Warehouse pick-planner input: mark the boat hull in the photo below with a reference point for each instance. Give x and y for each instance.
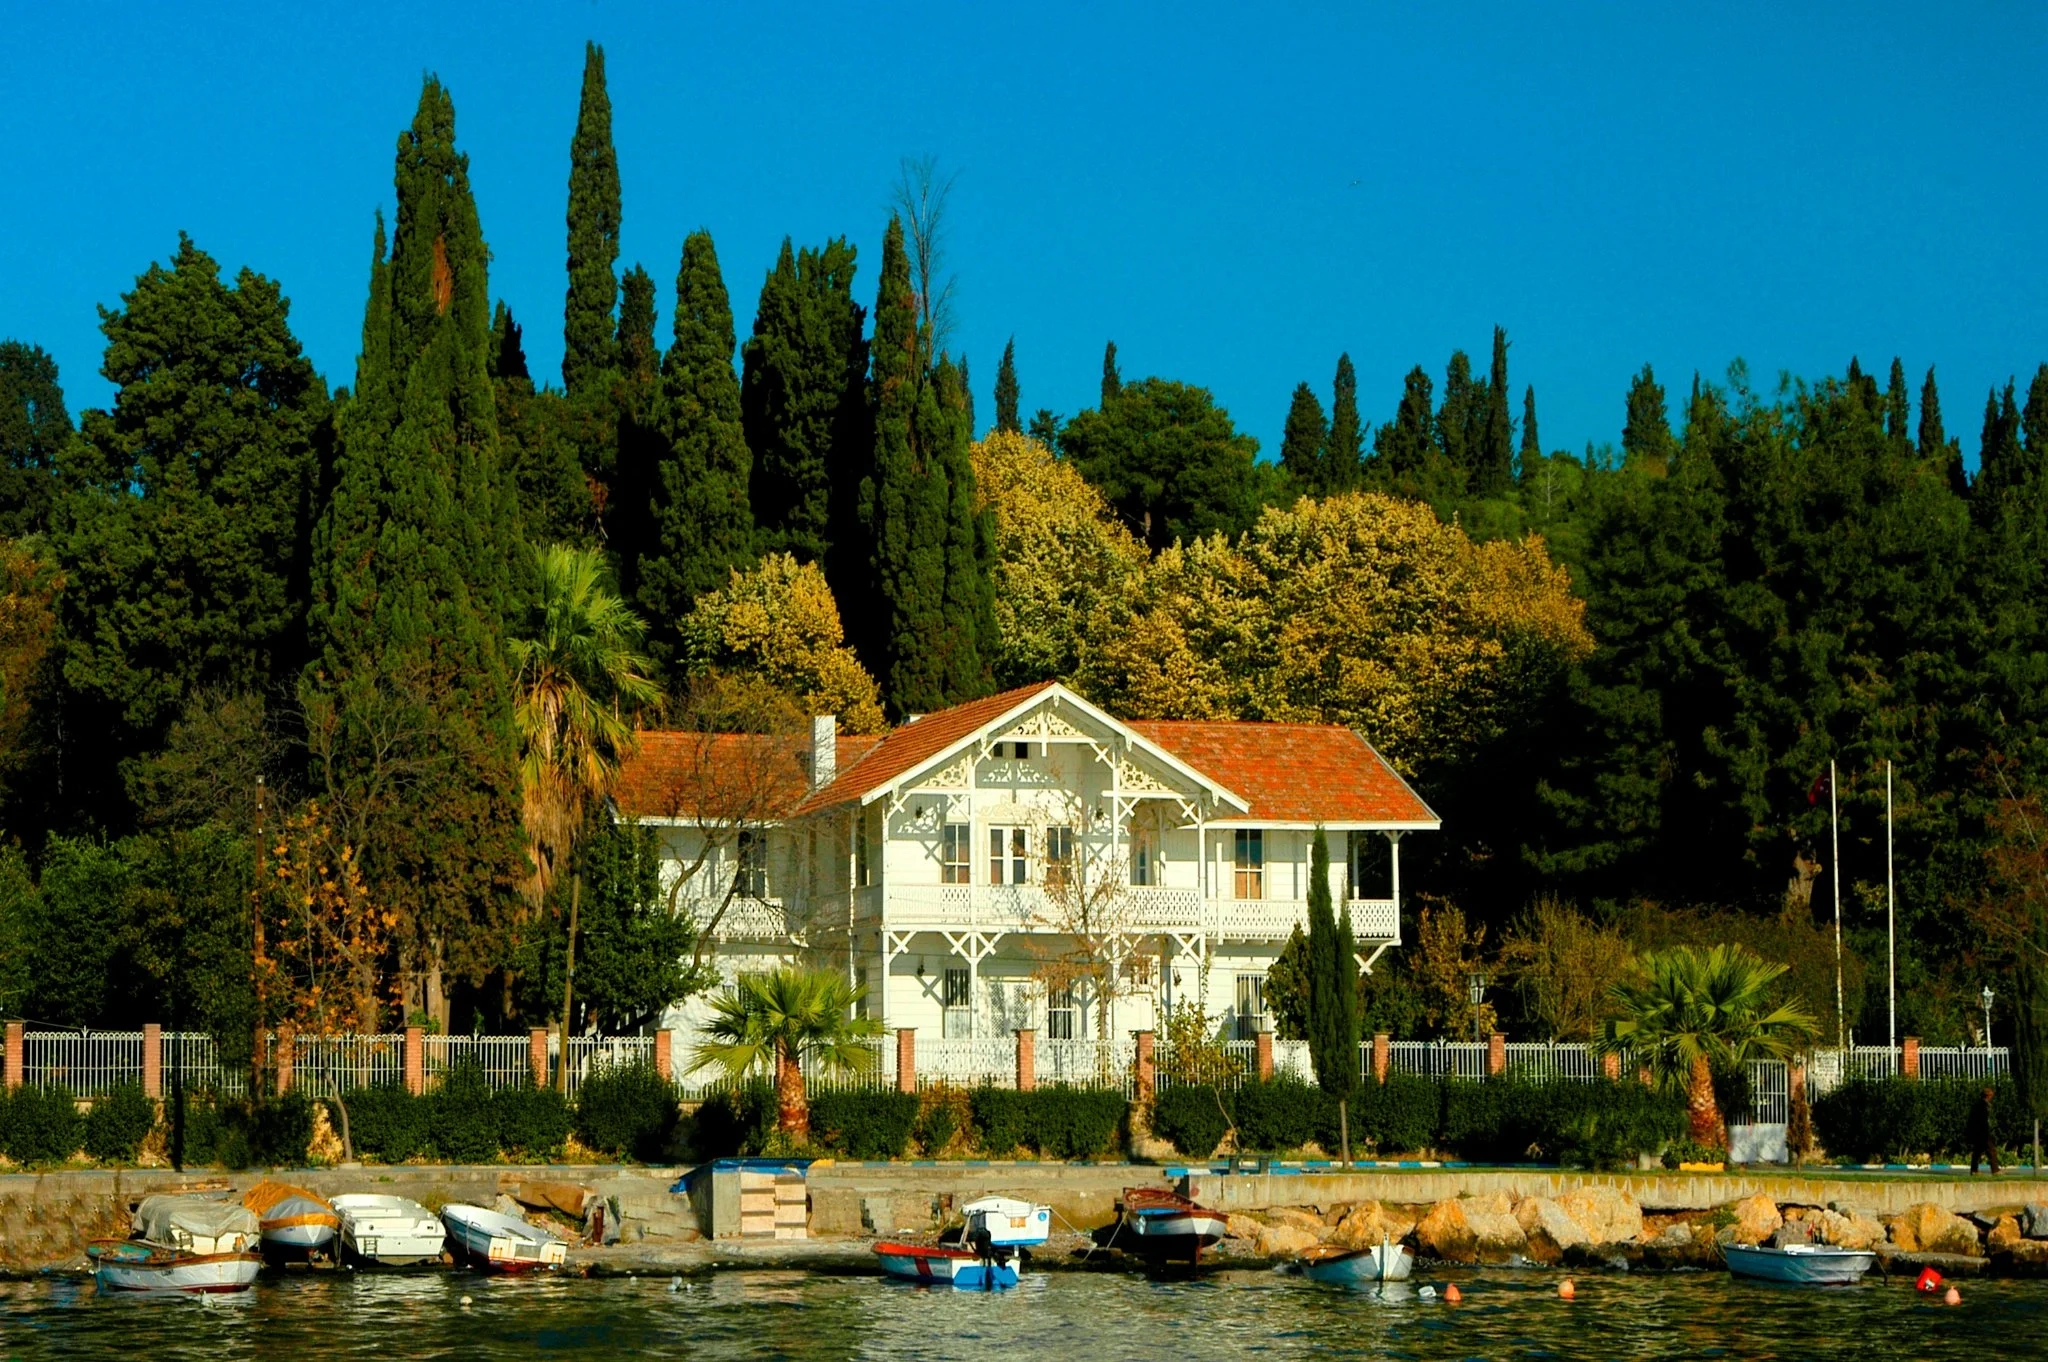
(1360, 1266)
(498, 1243)
(144, 1269)
(388, 1231)
(1173, 1234)
(1798, 1265)
(302, 1237)
(939, 1266)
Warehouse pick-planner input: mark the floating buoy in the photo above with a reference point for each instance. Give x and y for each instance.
(1566, 1290)
(675, 1283)
(1928, 1281)
(465, 1302)
(1954, 1297)
(1427, 1293)
(1453, 1294)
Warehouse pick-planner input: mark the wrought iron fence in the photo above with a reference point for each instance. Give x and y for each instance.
(344, 1063)
(90, 1063)
(1433, 1058)
(1104, 1063)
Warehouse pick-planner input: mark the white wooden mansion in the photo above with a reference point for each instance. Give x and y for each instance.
(1025, 861)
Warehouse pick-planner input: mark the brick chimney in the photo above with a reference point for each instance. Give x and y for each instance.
(824, 750)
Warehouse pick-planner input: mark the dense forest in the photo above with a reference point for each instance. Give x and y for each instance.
(257, 635)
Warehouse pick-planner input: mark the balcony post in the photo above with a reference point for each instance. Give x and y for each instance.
(1394, 880)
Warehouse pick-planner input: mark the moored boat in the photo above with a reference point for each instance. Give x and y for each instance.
(1385, 1262)
(291, 1218)
(1805, 1264)
(946, 1264)
(133, 1265)
(1162, 1224)
(388, 1231)
(502, 1243)
(1007, 1222)
(201, 1225)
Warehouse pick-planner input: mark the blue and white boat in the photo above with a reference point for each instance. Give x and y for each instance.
(949, 1265)
(1804, 1264)
(1385, 1262)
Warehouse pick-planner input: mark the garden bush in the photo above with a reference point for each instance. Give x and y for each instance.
(118, 1124)
(1400, 1115)
(39, 1125)
(627, 1109)
(233, 1132)
(864, 1125)
(735, 1120)
(1283, 1114)
(1057, 1122)
(1191, 1118)
(280, 1129)
(386, 1123)
(461, 1121)
(1873, 1119)
(943, 1112)
(532, 1122)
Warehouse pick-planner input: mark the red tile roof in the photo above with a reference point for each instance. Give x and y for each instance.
(909, 746)
(723, 775)
(1292, 773)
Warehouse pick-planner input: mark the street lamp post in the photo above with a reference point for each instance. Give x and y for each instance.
(1987, 995)
(1476, 990)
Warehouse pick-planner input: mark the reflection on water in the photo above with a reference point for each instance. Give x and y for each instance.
(1093, 1316)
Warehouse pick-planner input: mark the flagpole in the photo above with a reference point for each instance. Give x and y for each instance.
(1835, 881)
(1891, 921)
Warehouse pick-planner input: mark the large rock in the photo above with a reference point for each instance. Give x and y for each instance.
(1471, 1230)
(1548, 1229)
(1791, 1232)
(2003, 1235)
(2035, 1220)
(1285, 1241)
(1242, 1226)
(1756, 1219)
(2027, 1258)
(1295, 1216)
(1850, 1230)
(1927, 1228)
(1607, 1215)
(1367, 1222)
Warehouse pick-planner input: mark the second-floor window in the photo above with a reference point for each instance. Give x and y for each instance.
(752, 860)
(1144, 857)
(1250, 864)
(1059, 856)
(955, 855)
(1009, 860)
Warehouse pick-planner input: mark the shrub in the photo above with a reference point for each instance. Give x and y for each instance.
(233, 1132)
(533, 1122)
(387, 1123)
(1513, 1120)
(627, 1109)
(1870, 1119)
(39, 1125)
(736, 1120)
(1282, 1114)
(1398, 1116)
(118, 1124)
(863, 1125)
(943, 1112)
(280, 1128)
(1191, 1118)
(1073, 1123)
(461, 1122)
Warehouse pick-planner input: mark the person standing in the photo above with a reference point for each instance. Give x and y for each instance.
(1982, 1146)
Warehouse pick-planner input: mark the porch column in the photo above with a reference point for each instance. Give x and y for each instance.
(906, 1059)
(1496, 1055)
(152, 1060)
(16, 1054)
(1909, 1057)
(664, 1054)
(1145, 1079)
(1382, 1056)
(537, 1055)
(1264, 1049)
(1394, 879)
(1027, 1059)
(415, 1060)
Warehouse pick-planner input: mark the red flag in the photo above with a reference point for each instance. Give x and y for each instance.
(1820, 787)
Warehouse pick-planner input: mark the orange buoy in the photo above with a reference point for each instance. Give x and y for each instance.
(1954, 1297)
(1453, 1294)
(1566, 1290)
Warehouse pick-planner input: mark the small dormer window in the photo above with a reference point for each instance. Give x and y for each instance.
(1020, 750)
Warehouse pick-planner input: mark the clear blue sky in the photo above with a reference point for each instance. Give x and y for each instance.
(1233, 193)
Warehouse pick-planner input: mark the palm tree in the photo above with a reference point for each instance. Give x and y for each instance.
(788, 1015)
(579, 669)
(1688, 1009)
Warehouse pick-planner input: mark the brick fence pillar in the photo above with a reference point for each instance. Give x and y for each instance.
(1610, 1065)
(906, 1059)
(1496, 1055)
(1145, 1068)
(415, 1060)
(152, 1060)
(537, 1055)
(1265, 1054)
(664, 1053)
(1795, 1086)
(287, 1042)
(16, 1054)
(1027, 1059)
(1645, 1077)
(1382, 1056)
(1909, 1057)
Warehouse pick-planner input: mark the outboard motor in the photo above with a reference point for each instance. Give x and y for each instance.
(991, 1254)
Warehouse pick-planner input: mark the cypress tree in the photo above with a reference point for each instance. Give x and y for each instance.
(1112, 381)
(1532, 444)
(1302, 441)
(701, 527)
(2034, 421)
(803, 405)
(1402, 446)
(1646, 433)
(2001, 458)
(633, 434)
(966, 395)
(1333, 986)
(1897, 410)
(1006, 389)
(932, 623)
(535, 436)
(1494, 465)
(588, 347)
(508, 348)
(34, 428)
(1935, 444)
(417, 565)
(1342, 456)
(1456, 429)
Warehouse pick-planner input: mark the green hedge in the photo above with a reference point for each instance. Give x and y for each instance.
(1874, 1119)
(864, 1125)
(1398, 1116)
(628, 1109)
(1191, 1118)
(386, 1123)
(1283, 1114)
(233, 1132)
(1057, 1122)
(39, 1125)
(732, 1121)
(118, 1124)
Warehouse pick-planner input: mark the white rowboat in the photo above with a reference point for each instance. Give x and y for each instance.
(502, 1243)
(1352, 1267)
(1806, 1264)
(131, 1265)
(388, 1231)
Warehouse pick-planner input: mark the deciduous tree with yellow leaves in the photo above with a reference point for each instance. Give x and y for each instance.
(778, 624)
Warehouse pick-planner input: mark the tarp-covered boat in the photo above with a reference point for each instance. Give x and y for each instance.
(1162, 1224)
(1806, 1264)
(197, 1224)
(502, 1243)
(292, 1217)
(131, 1265)
(389, 1231)
(945, 1264)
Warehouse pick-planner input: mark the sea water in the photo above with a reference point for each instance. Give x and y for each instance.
(1095, 1316)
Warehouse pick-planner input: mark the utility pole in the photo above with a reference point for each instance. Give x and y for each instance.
(1835, 882)
(1891, 919)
